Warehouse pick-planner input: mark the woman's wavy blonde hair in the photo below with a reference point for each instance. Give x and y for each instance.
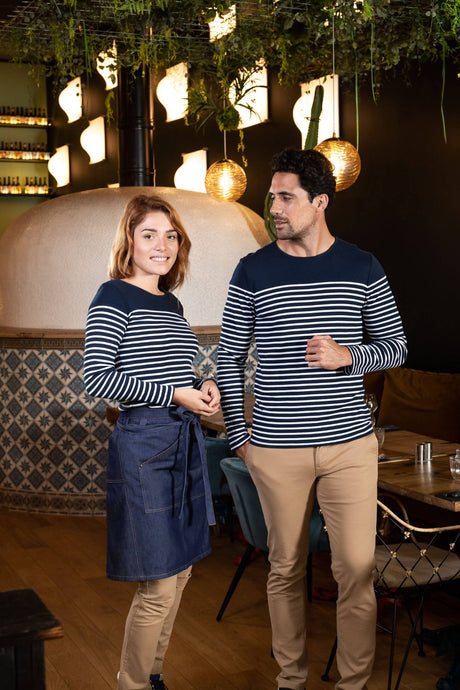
(120, 263)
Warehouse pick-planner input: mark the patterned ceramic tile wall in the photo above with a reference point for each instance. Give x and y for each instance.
(53, 435)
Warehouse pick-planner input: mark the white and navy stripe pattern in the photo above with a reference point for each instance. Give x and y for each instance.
(138, 346)
(283, 301)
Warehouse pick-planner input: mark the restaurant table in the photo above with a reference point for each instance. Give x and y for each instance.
(424, 482)
(398, 472)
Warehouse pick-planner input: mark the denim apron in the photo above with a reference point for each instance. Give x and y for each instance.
(159, 504)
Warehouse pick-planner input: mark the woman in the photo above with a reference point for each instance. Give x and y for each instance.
(139, 350)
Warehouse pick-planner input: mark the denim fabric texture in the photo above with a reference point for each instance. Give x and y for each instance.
(159, 504)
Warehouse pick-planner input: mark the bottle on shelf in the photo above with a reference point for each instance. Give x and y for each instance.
(17, 150)
(20, 115)
(12, 185)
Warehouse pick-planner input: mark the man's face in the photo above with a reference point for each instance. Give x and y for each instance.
(293, 213)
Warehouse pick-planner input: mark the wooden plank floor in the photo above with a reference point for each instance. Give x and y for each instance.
(63, 560)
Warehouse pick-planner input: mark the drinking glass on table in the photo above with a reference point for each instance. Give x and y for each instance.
(371, 401)
(379, 431)
(455, 465)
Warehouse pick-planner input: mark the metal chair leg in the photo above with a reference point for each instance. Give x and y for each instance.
(330, 661)
(236, 578)
(409, 643)
(393, 640)
(309, 577)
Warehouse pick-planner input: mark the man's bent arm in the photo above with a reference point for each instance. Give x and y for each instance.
(387, 345)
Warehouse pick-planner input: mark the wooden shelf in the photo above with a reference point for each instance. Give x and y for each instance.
(25, 124)
(28, 196)
(25, 160)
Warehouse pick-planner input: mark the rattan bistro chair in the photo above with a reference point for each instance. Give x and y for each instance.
(411, 562)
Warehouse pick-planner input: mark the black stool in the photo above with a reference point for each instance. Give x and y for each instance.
(25, 623)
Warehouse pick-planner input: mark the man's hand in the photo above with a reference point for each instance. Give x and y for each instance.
(242, 450)
(203, 402)
(322, 351)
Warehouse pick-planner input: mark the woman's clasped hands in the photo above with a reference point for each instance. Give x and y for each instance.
(203, 402)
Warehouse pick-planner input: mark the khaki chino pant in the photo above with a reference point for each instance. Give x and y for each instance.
(345, 476)
(148, 629)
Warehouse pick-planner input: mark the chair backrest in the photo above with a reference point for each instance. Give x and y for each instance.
(319, 538)
(249, 510)
(247, 503)
(410, 556)
(216, 449)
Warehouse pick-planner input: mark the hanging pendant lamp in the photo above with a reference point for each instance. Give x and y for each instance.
(345, 159)
(343, 155)
(225, 179)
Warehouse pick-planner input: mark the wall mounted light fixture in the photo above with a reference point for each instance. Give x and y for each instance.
(58, 165)
(92, 140)
(252, 107)
(222, 25)
(70, 99)
(190, 175)
(106, 65)
(172, 91)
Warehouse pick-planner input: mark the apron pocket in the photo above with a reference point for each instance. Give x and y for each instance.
(162, 478)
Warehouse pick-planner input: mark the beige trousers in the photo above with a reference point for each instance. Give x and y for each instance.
(148, 629)
(345, 476)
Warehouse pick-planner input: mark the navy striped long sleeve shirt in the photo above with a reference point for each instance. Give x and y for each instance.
(283, 301)
(138, 346)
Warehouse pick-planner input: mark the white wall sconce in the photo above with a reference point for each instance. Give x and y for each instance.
(329, 119)
(59, 167)
(106, 65)
(172, 92)
(190, 175)
(253, 106)
(221, 26)
(92, 140)
(70, 100)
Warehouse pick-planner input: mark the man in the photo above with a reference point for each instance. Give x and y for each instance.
(322, 314)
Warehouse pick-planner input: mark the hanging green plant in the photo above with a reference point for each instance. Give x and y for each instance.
(268, 218)
(371, 37)
(313, 128)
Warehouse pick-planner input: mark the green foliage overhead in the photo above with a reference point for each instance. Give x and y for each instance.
(293, 37)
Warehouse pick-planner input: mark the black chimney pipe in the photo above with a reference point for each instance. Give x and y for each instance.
(135, 129)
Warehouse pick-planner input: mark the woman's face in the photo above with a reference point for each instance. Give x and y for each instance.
(156, 245)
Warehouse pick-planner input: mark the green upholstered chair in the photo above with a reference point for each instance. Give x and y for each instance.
(250, 516)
